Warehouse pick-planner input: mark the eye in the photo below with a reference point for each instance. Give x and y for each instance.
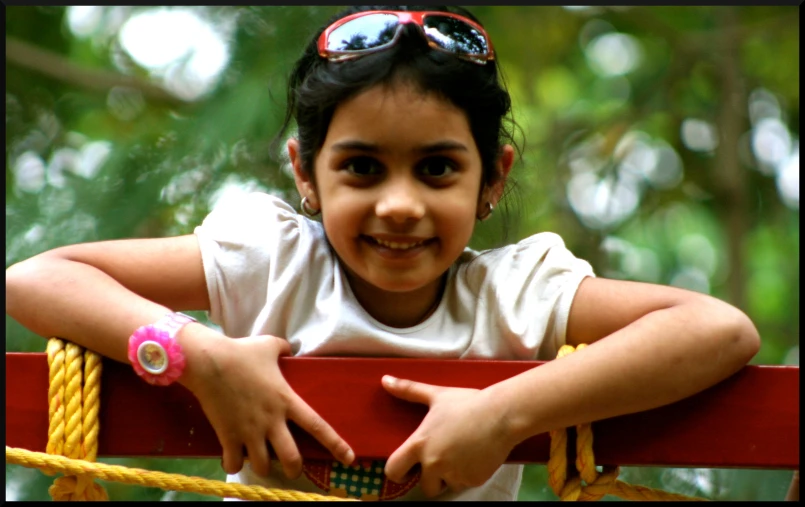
(437, 167)
(362, 166)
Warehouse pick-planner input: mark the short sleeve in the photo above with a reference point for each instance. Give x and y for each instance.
(528, 289)
(245, 244)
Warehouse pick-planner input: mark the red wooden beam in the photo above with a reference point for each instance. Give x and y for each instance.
(750, 420)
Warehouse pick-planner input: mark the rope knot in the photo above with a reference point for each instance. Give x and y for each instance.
(77, 488)
(586, 483)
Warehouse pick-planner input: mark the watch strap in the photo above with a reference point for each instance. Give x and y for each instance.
(155, 354)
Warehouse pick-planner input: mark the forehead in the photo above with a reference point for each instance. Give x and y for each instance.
(398, 113)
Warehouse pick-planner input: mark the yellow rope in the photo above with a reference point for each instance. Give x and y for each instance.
(149, 478)
(55, 351)
(73, 408)
(74, 405)
(91, 403)
(589, 484)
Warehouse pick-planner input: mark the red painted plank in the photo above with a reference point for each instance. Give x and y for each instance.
(750, 420)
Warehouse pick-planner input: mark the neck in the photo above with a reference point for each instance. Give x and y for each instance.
(398, 309)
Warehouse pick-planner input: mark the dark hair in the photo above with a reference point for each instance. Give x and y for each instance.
(316, 87)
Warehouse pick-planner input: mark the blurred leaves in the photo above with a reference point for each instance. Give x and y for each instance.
(641, 127)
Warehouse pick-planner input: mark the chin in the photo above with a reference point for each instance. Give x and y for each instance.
(397, 286)
(403, 285)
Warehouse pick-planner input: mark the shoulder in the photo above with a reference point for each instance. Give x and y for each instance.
(255, 217)
(259, 229)
(253, 242)
(544, 252)
(248, 210)
(523, 293)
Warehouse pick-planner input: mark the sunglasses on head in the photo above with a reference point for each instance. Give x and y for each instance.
(366, 32)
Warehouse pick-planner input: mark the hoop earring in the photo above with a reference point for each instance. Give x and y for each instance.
(488, 213)
(306, 209)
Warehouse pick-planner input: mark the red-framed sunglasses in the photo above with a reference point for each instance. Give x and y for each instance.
(366, 32)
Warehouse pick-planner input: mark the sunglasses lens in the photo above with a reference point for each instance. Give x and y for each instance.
(455, 35)
(367, 32)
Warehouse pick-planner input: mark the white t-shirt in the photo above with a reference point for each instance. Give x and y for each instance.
(271, 271)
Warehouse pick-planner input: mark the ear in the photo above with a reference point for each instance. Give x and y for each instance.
(494, 192)
(304, 183)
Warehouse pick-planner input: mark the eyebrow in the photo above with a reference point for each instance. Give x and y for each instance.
(440, 146)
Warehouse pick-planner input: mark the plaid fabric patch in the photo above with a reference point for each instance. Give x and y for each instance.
(364, 480)
(358, 480)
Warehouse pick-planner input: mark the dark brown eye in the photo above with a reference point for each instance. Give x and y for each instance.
(436, 167)
(362, 166)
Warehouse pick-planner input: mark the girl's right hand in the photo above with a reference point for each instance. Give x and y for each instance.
(248, 402)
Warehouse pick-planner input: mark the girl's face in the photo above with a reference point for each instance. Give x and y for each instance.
(398, 181)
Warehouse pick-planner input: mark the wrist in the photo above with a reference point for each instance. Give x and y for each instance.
(510, 428)
(518, 415)
(198, 342)
(153, 351)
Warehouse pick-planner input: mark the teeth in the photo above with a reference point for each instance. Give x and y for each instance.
(398, 246)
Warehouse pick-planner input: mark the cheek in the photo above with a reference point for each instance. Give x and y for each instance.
(457, 221)
(341, 219)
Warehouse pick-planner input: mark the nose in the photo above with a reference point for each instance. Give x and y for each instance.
(400, 201)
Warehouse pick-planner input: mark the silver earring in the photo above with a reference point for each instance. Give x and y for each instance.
(488, 213)
(306, 208)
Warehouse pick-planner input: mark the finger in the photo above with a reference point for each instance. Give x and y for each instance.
(409, 390)
(259, 460)
(284, 347)
(452, 485)
(307, 419)
(401, 462)
(456, 489)
(232, 461)
(286, 452)
(432, 485)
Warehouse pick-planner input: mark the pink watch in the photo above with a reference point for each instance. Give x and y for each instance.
(154, 352)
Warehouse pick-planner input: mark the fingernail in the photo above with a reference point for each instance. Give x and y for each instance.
(389, 380)
(350, 457)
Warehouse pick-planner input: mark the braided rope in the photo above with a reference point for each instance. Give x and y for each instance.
(74, 406)
(92, 403)
(55, 351)
(150, 478)
(589, 484)
(74, 362)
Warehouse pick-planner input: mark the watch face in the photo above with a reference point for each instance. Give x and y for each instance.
(154, 353)
(152, 357)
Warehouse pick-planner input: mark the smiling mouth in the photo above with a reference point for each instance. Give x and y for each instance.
(397, 245)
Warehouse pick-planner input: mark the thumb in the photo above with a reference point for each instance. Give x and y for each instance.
(409, 390)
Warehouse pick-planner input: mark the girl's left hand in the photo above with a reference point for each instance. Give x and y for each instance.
(461, 442)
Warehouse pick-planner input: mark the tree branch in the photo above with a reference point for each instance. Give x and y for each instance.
(731, 180)
(58, 67)
(698, 41)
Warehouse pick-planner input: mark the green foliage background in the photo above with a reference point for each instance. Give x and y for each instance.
(721, 226)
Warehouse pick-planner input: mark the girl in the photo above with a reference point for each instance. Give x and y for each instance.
(400, 148)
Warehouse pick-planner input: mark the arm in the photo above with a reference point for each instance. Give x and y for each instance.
(97, 294)
(651, 345)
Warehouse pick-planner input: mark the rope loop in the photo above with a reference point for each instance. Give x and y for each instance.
(586, 483)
